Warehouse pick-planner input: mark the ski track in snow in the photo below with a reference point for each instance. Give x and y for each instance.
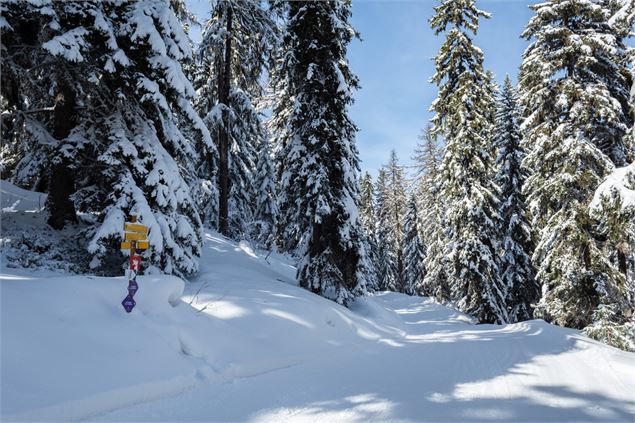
(241, 342)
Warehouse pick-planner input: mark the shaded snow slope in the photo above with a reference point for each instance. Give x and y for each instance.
(13, 198)
(26, 241)
(243, 343)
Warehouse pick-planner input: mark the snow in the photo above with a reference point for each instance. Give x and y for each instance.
(617, 182)
(242, 342)
(68, 45)
(13, 198)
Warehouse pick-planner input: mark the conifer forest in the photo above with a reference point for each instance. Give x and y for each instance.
(236, 156)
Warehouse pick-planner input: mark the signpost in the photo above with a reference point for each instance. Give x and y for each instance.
(135, 239)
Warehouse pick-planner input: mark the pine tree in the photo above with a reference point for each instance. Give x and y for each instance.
(125, 150)
(40, 97)
(395, 207)
(573, 128)
(265, 217)
(614, 211)
(367, 204)
(622, 15)
(367, 214)
(320, 192)
(515, 263)
(461, 115)
(413, 251)
(493, 90)
(622, 19)
(385, 261)
(428, 157)
(149, 156)
(229, 63)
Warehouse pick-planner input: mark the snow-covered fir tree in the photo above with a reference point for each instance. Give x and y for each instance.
(230, 60)
(385, 260)
(394, 206)
(574, 129)
(367, 203)
(320, 192)
(614, 210)
(515, 262)
(40, 96)
(124, 109)
(148, 155)
(428, 157)
(490, 113)
(367, 216)
(281, 100)
(621, 21)
(622, 15)
(266, 209)
(462, 111)
(414, 251)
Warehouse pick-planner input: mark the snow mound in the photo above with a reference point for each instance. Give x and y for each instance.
(13, 198)
(27, 241)
(69, 349)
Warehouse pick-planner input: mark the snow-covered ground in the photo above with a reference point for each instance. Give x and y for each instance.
(241, 342)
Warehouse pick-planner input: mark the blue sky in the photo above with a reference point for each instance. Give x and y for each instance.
(394, 63)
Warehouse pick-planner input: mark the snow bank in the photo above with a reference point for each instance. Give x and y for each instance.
(69, 349)
(13, 198)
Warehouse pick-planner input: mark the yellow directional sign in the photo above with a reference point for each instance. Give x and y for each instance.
(133, 236)
(140, 245)
(136, 227)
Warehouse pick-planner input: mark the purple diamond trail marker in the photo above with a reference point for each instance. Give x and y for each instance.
(133, 287)
(128, 303)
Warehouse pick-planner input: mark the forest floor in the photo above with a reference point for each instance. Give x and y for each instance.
(241, 342)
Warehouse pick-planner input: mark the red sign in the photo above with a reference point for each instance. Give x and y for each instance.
(135, 262)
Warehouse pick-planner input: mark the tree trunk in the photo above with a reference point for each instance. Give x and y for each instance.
(224, 77)
(61, 178)
(622, 263)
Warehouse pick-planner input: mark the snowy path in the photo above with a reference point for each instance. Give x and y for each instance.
(242, 343)
(392, 358)
(460, 375)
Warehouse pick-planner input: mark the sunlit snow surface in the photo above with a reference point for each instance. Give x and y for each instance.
(241, 342)
(618, 182)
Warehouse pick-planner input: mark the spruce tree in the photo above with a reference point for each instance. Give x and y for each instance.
(573, 128)
(149, 155)
(130, 147)
(320, 191)
(428, 157)
(515, 262)
(493, 90)
(367, 215)
(266, 209)
(367, 204)
(462, 110)
(413, 251)
(385, 264)
(395, 205)
(45, 69)
(230, 60)
(614, 210)
(621, 22)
